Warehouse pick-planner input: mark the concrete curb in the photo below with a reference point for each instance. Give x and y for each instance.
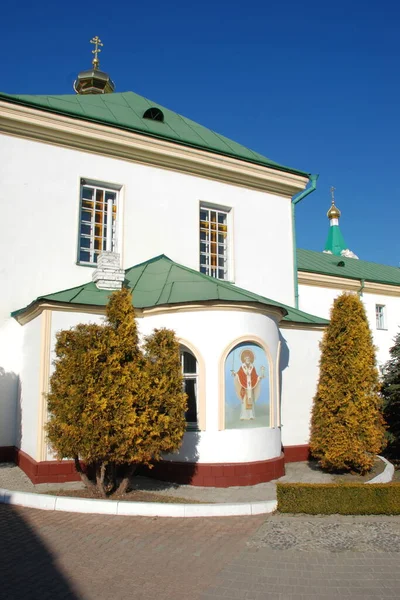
(142, 509)
(386, 475)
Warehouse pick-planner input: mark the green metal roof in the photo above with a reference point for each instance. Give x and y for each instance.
(125, 111)
(335, 242)
(328, 264)
(162, 282)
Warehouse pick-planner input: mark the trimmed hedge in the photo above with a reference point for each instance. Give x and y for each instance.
(339, 498)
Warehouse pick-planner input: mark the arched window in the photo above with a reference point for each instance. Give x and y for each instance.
(190, 377)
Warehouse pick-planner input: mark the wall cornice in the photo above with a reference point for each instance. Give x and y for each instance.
(342, 283)
(51, 128)
(36, 309)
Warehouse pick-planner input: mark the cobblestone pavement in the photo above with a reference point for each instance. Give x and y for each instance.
(53, 555)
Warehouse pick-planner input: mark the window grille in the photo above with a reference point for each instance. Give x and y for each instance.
(98, 219)
(214, 242)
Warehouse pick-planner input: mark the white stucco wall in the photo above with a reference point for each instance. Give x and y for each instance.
(11, 343)
(27, 428)
(159, 214)
(300, 370)
(210, 332)
(319, 300)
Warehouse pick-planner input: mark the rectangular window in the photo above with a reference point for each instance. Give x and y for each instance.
(380, 316)
(214, 242)
(97, 221)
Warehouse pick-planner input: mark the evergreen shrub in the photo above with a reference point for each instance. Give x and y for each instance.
(339, 498)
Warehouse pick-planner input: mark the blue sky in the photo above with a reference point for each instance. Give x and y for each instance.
(308, 84)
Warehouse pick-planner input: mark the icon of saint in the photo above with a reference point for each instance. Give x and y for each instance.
(247, 384)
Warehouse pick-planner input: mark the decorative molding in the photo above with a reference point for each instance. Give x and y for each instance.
(201, 380)
(343, 283)
(278, 420)
(36, 308)
(44, 381)
(303, 326)
(76, 133)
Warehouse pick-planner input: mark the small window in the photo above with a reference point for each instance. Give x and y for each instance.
(214, 242)
(380, 311)
(190, 376)
(97, 221)
(154, 114)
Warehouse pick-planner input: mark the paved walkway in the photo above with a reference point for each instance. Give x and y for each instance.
(12, 478)
(52, 555)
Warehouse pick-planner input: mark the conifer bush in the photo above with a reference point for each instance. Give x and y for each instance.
(111, 402)
(347, 426)
(391, 399)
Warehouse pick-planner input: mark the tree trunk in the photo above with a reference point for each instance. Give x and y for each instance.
(123, 486)
(112, 478)
(100, 475)
(85, 479)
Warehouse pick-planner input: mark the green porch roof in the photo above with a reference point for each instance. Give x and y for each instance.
(328, 264)
(125, 111)
(162, 282)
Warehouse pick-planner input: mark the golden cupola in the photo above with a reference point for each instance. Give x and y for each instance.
(333, 212)
(94, 81)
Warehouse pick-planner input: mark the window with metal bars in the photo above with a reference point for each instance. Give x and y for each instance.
(214, 242)
(98, 220)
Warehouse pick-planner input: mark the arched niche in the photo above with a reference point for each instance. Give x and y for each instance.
(247, 390)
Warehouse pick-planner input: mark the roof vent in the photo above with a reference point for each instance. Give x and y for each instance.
(341, 263)
(154, 114)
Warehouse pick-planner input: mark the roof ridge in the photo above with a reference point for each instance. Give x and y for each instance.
(183, 131)
(347, 258)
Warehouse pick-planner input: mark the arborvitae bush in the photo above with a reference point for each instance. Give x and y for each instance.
(391, 399)
(112, 403)
(347, 427)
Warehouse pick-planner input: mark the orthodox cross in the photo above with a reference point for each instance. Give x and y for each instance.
(97, 42)
(333, 194)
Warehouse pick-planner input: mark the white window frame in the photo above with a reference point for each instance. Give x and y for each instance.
(380, 316)
(222, 272)
(193, 425)
(109, 220)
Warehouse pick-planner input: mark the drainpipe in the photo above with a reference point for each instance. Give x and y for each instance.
(360, 291)
(296, 200)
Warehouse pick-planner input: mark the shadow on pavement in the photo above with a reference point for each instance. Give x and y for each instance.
(29, 571)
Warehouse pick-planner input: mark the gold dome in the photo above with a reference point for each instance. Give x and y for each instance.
(333, 212)
(94, 81)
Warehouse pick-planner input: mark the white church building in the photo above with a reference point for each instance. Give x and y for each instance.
(101, 189)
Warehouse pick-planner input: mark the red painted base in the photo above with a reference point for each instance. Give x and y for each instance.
(296, 453)
(49, 471)
(218, 475)
(198, 474)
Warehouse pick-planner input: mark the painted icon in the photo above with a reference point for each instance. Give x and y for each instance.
(247, 387)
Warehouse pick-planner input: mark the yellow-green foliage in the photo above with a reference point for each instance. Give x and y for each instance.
(340, 499)
(347, 427)
(110, 402)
